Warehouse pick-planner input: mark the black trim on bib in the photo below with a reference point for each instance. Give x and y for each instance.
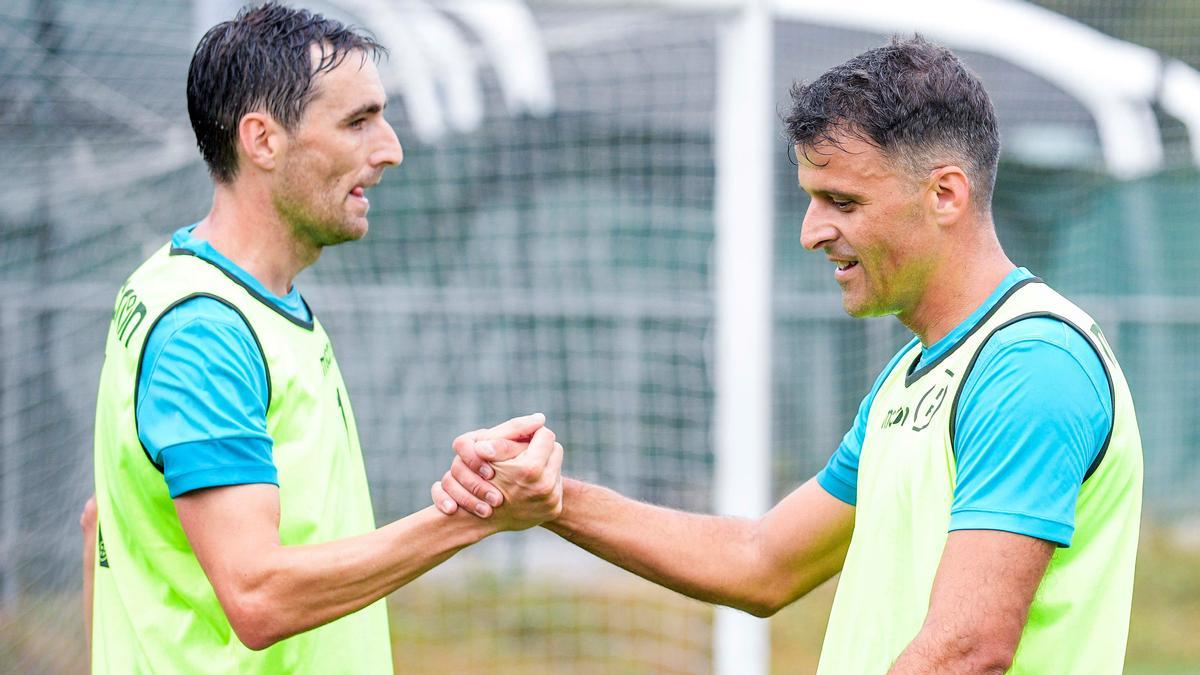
(1112, 391)
(137, 382)
(306, 325)
(914, 375)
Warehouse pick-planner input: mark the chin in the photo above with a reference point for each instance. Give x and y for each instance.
(856, 311)
(852, 304)
(353, 230)
(357, 230)
(863, 308)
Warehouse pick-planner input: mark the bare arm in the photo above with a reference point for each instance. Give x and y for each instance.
(87, 523)
(758, 565)
(980, 600)
(270, 592)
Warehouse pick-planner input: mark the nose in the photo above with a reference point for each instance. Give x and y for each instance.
(389, 152)
(816, 231)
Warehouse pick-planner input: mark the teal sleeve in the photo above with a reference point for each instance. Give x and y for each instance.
(202, 399)
(1033, 414)
(840, 475)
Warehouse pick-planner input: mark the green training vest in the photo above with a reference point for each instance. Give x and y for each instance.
(155, 610)
(1079, 619)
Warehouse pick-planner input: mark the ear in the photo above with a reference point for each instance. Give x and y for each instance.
(261, 139)
(949, 194)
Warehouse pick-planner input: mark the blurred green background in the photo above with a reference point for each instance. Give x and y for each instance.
(559, 259)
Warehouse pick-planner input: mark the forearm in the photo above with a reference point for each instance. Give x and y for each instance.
(297, 588)
(951, 651)
(756, 565)
(710, 558)
(978, 605)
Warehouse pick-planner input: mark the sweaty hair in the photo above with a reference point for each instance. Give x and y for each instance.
(913, 100)
(261, 61)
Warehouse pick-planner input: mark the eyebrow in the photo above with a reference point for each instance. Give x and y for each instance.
(365, 109)
(832, 192)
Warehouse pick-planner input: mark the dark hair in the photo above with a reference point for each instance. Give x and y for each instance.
(913, 100)
(261, 60)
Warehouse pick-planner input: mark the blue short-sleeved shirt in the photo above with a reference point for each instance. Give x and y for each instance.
(1033, 415)
(202, 391)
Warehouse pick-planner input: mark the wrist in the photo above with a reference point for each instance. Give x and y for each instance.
(573, 497)
(461, 529)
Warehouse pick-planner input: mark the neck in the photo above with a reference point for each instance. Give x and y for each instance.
(957, 286)
(245, 227)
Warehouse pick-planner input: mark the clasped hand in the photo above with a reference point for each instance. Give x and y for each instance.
(511, 473)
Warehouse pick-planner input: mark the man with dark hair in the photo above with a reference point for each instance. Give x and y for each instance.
(983, 508)
(232, 530)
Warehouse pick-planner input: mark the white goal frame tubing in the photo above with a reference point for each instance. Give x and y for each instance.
(743, 260)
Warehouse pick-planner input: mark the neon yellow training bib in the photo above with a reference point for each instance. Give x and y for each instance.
(155, 610)
(1079, 619)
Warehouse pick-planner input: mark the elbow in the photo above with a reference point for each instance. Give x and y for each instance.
(765, 603)
(255, 640)
(87, 519)
(761, 609)
(768, 584)
(254, 622)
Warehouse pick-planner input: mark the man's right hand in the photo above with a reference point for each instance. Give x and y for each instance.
(526, 479)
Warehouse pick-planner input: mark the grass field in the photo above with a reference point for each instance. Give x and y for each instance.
(488, 625)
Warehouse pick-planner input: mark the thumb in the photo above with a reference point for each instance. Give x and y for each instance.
(518, 428)
(499, 449)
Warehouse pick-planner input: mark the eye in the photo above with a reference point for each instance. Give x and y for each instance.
(841, 205)
(358, 123)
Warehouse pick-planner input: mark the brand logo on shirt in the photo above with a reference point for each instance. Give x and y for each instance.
(327, 358)
(101, 553)
(931, 402)
(127, 315)
(895, 417)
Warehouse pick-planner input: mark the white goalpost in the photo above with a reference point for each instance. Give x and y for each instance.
(745, 228)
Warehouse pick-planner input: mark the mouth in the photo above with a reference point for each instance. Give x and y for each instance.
(359, 194)
(843, 268)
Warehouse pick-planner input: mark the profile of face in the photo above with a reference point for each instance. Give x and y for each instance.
(872, 220)
(338, 150)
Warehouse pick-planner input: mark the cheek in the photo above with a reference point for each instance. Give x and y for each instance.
(320, 162)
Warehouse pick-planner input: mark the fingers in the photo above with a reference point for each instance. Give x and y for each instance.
(479, 488)
(441, 500)
(541, 447)
(554, 463)
(518, 428)
(464, 447)
(462, 498)
(461, 495)
(554, 469)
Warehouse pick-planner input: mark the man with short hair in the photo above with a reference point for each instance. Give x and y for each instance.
(233, 527)
(983, 508)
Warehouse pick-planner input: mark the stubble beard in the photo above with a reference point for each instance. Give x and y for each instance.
(300, 209)
(866, 303)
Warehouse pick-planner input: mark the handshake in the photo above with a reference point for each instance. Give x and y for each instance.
(511, 474)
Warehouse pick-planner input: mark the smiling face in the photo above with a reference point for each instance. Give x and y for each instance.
(871, 220)
(340, 148)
